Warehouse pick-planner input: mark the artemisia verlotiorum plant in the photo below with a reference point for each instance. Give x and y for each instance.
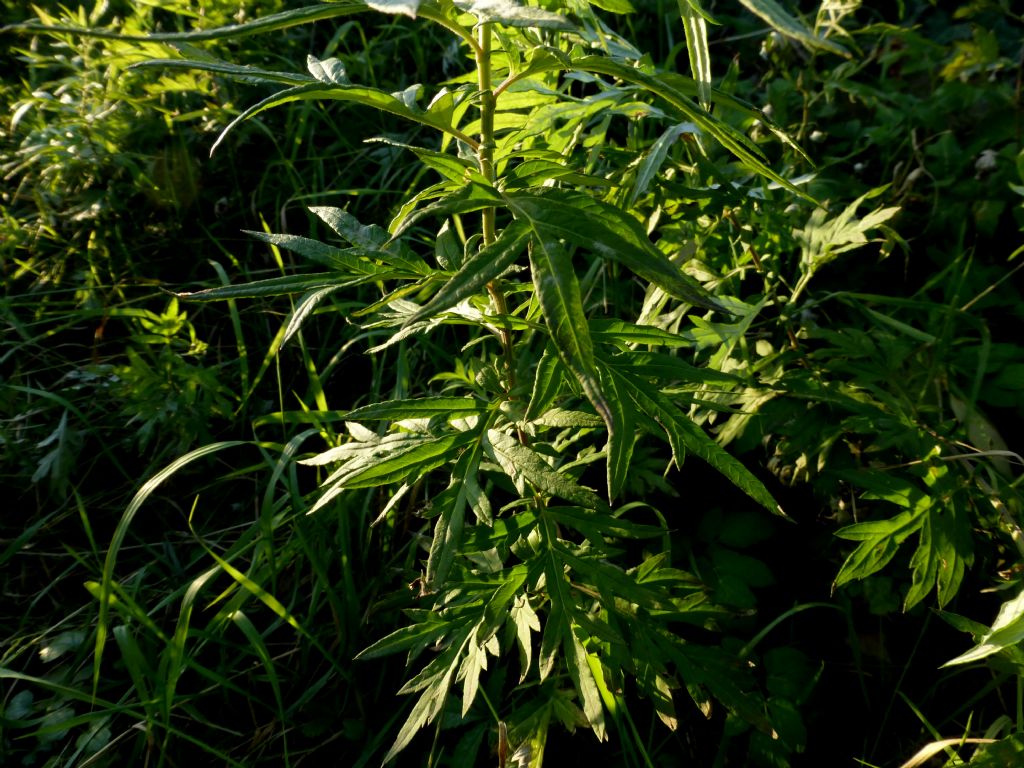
(539, 252)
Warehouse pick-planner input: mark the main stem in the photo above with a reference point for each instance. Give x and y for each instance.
(485, 157)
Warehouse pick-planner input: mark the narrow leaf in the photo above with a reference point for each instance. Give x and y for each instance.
(370, 97)
(558, 292)
(621, 436)
(422, 458)
(448, 529)
(346, 226)
(414, 636)
(488, 264)
(1006, 632)
(696, 30)
(322, 253)
(121, 530)
(415, 408)
(782, 22)
(306, 306)
(274, 286)
(609, 232)
(465, 199)
(271, 23)
(668, 87)
(684, 435)
(656, 155)
(242, 72)
(431, 701)
(547, 382)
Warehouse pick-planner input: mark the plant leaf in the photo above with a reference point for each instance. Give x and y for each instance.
(271, 23)
(339, 259)
(330, 71)
(684, 435)
(415, 408)
(696, 30)
(1006, 632)
(558, 292)
(522, 464)
(609, 232)
(243, 72)
(512, 14)
(431, 701)
(656, 155)
(669, 86)
(547, 382)
(782, 22)
(346, 226)
(370, 97)
(621, 436)
(448, 529)
(306, 306)
(488, 264)
(274, 286)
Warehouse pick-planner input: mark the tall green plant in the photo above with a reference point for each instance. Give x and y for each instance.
(532, 254)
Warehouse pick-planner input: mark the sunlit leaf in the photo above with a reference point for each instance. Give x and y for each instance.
(274, 286)
(783, 22)
(243, 72)
(696, 30)
(415, 408)
(262, 25)
(512, 14)
(621, 436)
(330, 71)
(488, 264)
(523, 465)
(684, 435)
(1006, 632)
(609, 232)
(448, 530)
(558, 292)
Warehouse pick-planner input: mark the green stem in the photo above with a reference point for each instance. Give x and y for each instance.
(485, 153)
(485, 158)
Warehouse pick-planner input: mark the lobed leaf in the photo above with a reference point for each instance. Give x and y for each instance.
(523, 464)
(609, 232)
(683, 435)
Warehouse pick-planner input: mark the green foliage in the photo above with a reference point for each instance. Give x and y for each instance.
(532, 307)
